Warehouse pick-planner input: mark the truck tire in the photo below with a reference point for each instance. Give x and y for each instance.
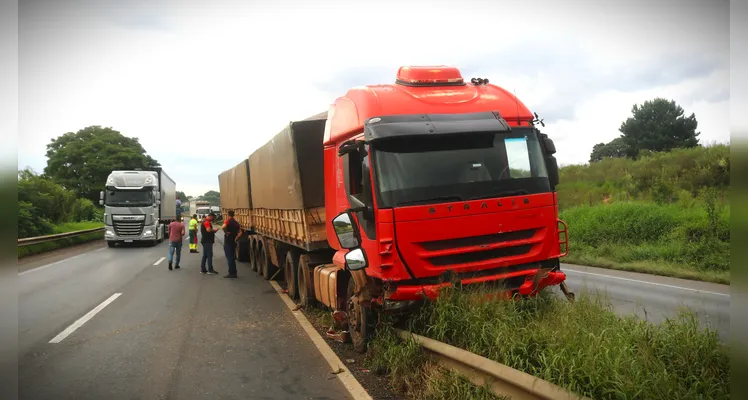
(242, 249)
(111, 243)
(290, 269)
(359, 320)
(253, 254)
(264, 263)
(304, 282)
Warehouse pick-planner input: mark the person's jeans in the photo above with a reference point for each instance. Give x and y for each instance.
(175, 246)
(207, 257)
(229, 248)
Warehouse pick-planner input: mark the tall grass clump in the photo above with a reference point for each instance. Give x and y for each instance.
(584, 346)
(688, 242)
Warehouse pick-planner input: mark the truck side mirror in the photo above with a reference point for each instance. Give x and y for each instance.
(346, 231)
(550, 147)
(552, 166)
(356, 260)
(101, 202)
(101, 196)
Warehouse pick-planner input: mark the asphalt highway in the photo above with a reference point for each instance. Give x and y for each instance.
(655, 298)
(161, 334)
(117, 324)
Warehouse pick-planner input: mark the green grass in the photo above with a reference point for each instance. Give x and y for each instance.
(583, 347)
(76, 226)
(65, 242)
(411, 373)
(691, 242)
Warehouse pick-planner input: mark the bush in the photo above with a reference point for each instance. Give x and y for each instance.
(30, 221)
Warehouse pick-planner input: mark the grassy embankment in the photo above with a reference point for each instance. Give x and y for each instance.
(583, 347)
(66, 242)
(666, 213)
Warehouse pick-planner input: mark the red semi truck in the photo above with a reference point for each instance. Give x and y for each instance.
(398, 190)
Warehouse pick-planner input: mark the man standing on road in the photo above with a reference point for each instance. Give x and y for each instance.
(176, 235)
(230, 235)
(193, 234)
(207, 240)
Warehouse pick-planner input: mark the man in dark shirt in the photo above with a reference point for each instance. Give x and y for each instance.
(207, 240)
(231, 230)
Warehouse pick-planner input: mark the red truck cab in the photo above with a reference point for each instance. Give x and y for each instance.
(432, 181)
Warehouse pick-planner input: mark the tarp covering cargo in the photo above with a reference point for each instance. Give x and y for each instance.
(234, 187)
(287, 173)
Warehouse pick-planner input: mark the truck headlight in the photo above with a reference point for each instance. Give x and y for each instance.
(108, 232)
(148, 232)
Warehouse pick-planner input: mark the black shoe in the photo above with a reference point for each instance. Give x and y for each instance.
(176, 266)
(203, 272)
(169, 266)
(231, 276)
(211, 272)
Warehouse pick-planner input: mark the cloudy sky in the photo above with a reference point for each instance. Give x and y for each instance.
(203, 84)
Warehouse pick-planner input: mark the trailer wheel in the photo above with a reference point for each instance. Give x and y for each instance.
(290, 269)
(359, 320)
(242, 250)
(265, 263)
(304, 282)
(252, 254)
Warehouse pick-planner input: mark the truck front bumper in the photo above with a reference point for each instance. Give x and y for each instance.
(525, 284)
(149, 233)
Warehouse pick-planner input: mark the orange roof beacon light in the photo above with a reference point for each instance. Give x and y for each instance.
(429, 76)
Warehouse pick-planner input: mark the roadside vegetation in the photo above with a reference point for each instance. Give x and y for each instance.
(560, 342)
(665, 212)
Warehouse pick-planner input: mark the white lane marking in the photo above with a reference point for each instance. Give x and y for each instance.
(58, 262)
(349, 381)
(77, 324)
(648, 283)
(159, 261)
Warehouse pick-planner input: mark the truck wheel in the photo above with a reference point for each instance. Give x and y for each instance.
(359, 318)
(252, 254)
(111, 243)
(264, 263)
(290, 269)
(304, 282)
(242, 250)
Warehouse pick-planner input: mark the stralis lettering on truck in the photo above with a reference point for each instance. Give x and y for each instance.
(397, 191)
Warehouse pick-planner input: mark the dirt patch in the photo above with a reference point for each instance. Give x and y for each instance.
(377, 385)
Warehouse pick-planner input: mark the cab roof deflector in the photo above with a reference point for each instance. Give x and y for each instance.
(414, 125)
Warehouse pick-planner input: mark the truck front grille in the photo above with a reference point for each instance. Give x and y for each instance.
(477, 249)
(128, 228)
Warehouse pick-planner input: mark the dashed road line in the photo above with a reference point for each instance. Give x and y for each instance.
(159, 261)
(77, 324)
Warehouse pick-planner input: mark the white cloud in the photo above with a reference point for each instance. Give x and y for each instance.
(202, 87)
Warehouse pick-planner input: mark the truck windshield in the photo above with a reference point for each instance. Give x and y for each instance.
(130, 198)
(459, 167)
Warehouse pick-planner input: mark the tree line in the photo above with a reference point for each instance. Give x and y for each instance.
(78, 164)
(658, 125)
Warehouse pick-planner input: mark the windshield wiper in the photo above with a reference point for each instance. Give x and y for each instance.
(414, 202)
(505, 193)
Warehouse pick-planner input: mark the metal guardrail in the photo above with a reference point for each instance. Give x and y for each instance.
(51, 238)
(502, 380)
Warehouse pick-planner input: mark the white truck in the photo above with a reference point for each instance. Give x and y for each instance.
(138, 206)
(203, 209)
